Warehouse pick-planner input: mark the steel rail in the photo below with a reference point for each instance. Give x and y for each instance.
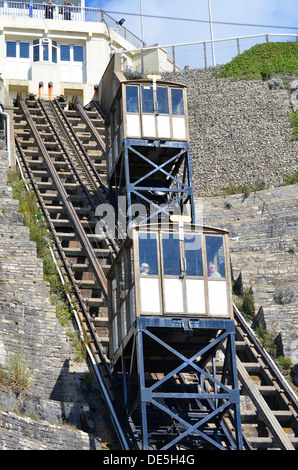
(81, 111)
(86, 156)
(100, 367)
(108, 236)
(270, 370)
(271, 366)
(89, 124)
(96, 266)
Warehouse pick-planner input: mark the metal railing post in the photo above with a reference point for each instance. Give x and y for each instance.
(238, 46)
(173, 54)
(205, 55)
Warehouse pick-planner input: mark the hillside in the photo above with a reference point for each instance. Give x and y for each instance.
(263, 61)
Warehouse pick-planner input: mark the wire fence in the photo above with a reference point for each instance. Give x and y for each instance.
(201, 54)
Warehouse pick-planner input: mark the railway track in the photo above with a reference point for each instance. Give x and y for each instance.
(62, 153)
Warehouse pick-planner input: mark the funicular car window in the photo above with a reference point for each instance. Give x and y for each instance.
(215, 257)
(148, 254)
(162, 100)
(193, 255)
(171, 254)
(177, 102)
(147, 99)
(132, 99)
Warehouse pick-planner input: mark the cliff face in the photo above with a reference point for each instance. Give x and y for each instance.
(239, 132)
(29, 327)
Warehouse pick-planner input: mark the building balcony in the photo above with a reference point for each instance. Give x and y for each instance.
(77, 14)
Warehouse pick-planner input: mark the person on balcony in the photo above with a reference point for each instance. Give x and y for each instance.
(66, 10)
(49, 9)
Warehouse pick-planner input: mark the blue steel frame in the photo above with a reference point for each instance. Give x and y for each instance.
(144, 170)
(180, 189)
(210, 406)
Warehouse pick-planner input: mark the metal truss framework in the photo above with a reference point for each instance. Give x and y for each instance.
(168, 176)
(176, 391)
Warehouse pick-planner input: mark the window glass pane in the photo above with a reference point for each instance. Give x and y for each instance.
(35, 53)
(171, 254)
(78, 53)
(193, 255)
(65, 53)
(177, 101)
(132, 100)
(162, 100)
(24, 50)
(54, 54)
(11, 49)
(147, 99)
(215, 257)
(148, 253)
(45, 49)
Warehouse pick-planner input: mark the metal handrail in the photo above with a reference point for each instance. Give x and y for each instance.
(204, 43)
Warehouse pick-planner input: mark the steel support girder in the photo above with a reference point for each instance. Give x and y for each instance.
(217, 399)
(180, 187)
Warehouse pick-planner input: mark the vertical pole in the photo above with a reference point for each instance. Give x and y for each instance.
(128, 186)
(142, 27)
(173, 54)
(238, 46)
(211, 33)
(142, 61)
(141, 372)
(205, 55)
(237, 417)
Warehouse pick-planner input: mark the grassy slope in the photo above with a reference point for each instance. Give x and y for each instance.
(263, 61)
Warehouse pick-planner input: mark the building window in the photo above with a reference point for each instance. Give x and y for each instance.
(11, 49)
(78, 53)
(65, 53)
(24, 50)
(54, 52)
(45, 52)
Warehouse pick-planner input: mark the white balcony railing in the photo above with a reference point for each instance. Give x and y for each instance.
(76, 13)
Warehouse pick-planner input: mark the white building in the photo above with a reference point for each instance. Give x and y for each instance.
(65, 53)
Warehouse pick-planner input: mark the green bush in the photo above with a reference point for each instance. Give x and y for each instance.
(284, 362)
(18, 374)
(248, 305)
(262, 61)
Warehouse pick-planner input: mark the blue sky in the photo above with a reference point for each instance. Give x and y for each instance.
(260, 12)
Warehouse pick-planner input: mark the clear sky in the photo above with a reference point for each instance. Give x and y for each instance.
(276, 16)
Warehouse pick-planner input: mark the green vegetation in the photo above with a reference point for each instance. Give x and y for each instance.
(262, 61)
(245, 189)
(18, 375)
(33, 218)
(294, 124)
(290, 179)
(285, 363)
(267, 340)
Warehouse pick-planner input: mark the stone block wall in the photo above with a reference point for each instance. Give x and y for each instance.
(263, 234)
(239, 132)
(28, 325)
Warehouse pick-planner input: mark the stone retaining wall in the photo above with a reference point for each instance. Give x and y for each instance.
(28, 325)
(263, 232)
(239, 132)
